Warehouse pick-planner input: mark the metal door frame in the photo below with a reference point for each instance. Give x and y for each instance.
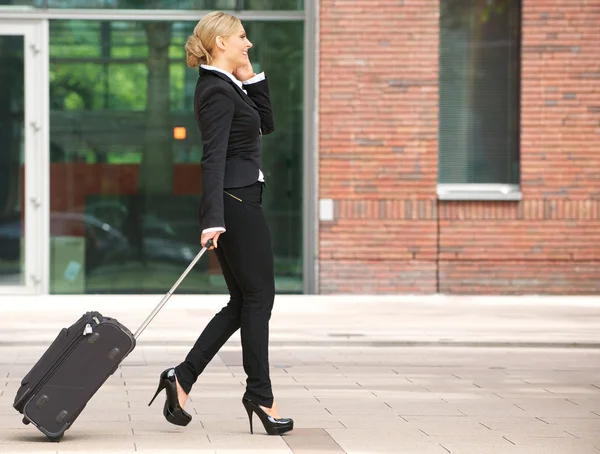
(36, 137)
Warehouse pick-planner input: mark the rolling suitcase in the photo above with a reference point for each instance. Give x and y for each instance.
(76, 365)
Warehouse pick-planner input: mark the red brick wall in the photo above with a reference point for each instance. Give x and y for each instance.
(378, 158)
(377, 144)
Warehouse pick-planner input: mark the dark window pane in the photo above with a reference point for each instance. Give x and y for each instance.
(12, 168)
(36, 3)
(126, 151)
(273, 5)
(479, 78)
(279, 49)
(204, 5)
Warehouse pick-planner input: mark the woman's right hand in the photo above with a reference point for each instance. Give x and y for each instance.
(210, 235)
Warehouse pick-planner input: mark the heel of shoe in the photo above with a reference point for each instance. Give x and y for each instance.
(250, 413)
(162, 385)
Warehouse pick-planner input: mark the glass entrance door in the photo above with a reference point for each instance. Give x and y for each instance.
(23, 160)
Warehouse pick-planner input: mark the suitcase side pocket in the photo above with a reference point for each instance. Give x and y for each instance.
(67, 338)
(68, 388)
(40, 368)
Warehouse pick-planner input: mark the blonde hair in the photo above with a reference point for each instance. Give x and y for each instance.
(200, 45)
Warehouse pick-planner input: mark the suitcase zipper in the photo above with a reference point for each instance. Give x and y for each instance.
(94, 318)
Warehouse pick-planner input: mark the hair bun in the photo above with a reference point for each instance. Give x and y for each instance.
(195, 54)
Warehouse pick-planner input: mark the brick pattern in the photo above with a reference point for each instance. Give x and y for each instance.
(367, 240)
(378, 144)
(416, 209)
(544, 209)
(519, 277)
(378, 98)
(560, 101)
(519, 240)
(378, 158)
(424, 209)
(377, 276)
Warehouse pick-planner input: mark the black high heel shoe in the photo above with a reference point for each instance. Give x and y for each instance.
(172, 410)
(273, 426)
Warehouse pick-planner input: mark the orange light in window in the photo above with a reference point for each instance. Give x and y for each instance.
(179, 133)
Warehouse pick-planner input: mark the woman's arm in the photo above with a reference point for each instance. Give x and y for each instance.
(257, 87)
(258, 91)
(214, 113)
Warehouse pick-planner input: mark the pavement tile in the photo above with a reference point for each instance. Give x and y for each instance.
(444, 426)
(423, 395)
(333, 393)
(457, 447)
(224, 425)
(435, 407)
(309, 441)
(378, 442)
(353, 408)
(168, 443)
(258, 440)
(591, 403)
(251, 451)
(21, 434)
(478, 449)
(523, 425)
(376, 422)
(554, 445)
(29, 449)
(491, 409)
(588, 428)
(312, 423)
(557, 407)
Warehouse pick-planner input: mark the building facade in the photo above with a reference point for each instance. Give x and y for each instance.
(420, 147)
(459, 147)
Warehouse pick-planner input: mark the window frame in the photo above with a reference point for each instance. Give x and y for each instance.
(487, 191)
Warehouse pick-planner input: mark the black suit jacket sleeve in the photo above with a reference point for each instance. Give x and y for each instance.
(259, 93)
(215, 114)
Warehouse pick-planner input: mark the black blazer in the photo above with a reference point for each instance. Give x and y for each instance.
(231, 123)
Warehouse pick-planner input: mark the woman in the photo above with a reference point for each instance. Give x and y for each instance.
(233, 110)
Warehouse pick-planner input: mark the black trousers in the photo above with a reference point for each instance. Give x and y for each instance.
(245, 254)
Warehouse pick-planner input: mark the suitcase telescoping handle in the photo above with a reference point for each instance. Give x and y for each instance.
(170, 292)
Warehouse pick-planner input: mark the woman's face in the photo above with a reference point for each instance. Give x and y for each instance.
(236, 48)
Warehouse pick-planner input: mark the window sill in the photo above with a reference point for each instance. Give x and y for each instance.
(500, 192)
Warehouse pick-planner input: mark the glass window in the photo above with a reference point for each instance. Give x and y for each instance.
(198, 5)
(479, 74)
(12, 169)
(37, 3)
(125, 156)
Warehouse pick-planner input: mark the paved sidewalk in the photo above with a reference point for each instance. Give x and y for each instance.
(358, 374)
(302, 320)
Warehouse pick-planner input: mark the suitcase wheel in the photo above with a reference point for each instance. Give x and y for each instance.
(55, 439)
(26, 421)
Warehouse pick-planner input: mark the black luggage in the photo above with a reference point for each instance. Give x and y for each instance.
(70, 372)
(76, 365)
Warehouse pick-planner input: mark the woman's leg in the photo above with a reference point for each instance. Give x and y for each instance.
(216, 333)
(247, 248)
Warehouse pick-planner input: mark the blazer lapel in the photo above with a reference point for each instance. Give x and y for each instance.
(244, 96)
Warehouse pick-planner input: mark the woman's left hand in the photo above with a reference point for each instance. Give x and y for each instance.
(244, 72)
